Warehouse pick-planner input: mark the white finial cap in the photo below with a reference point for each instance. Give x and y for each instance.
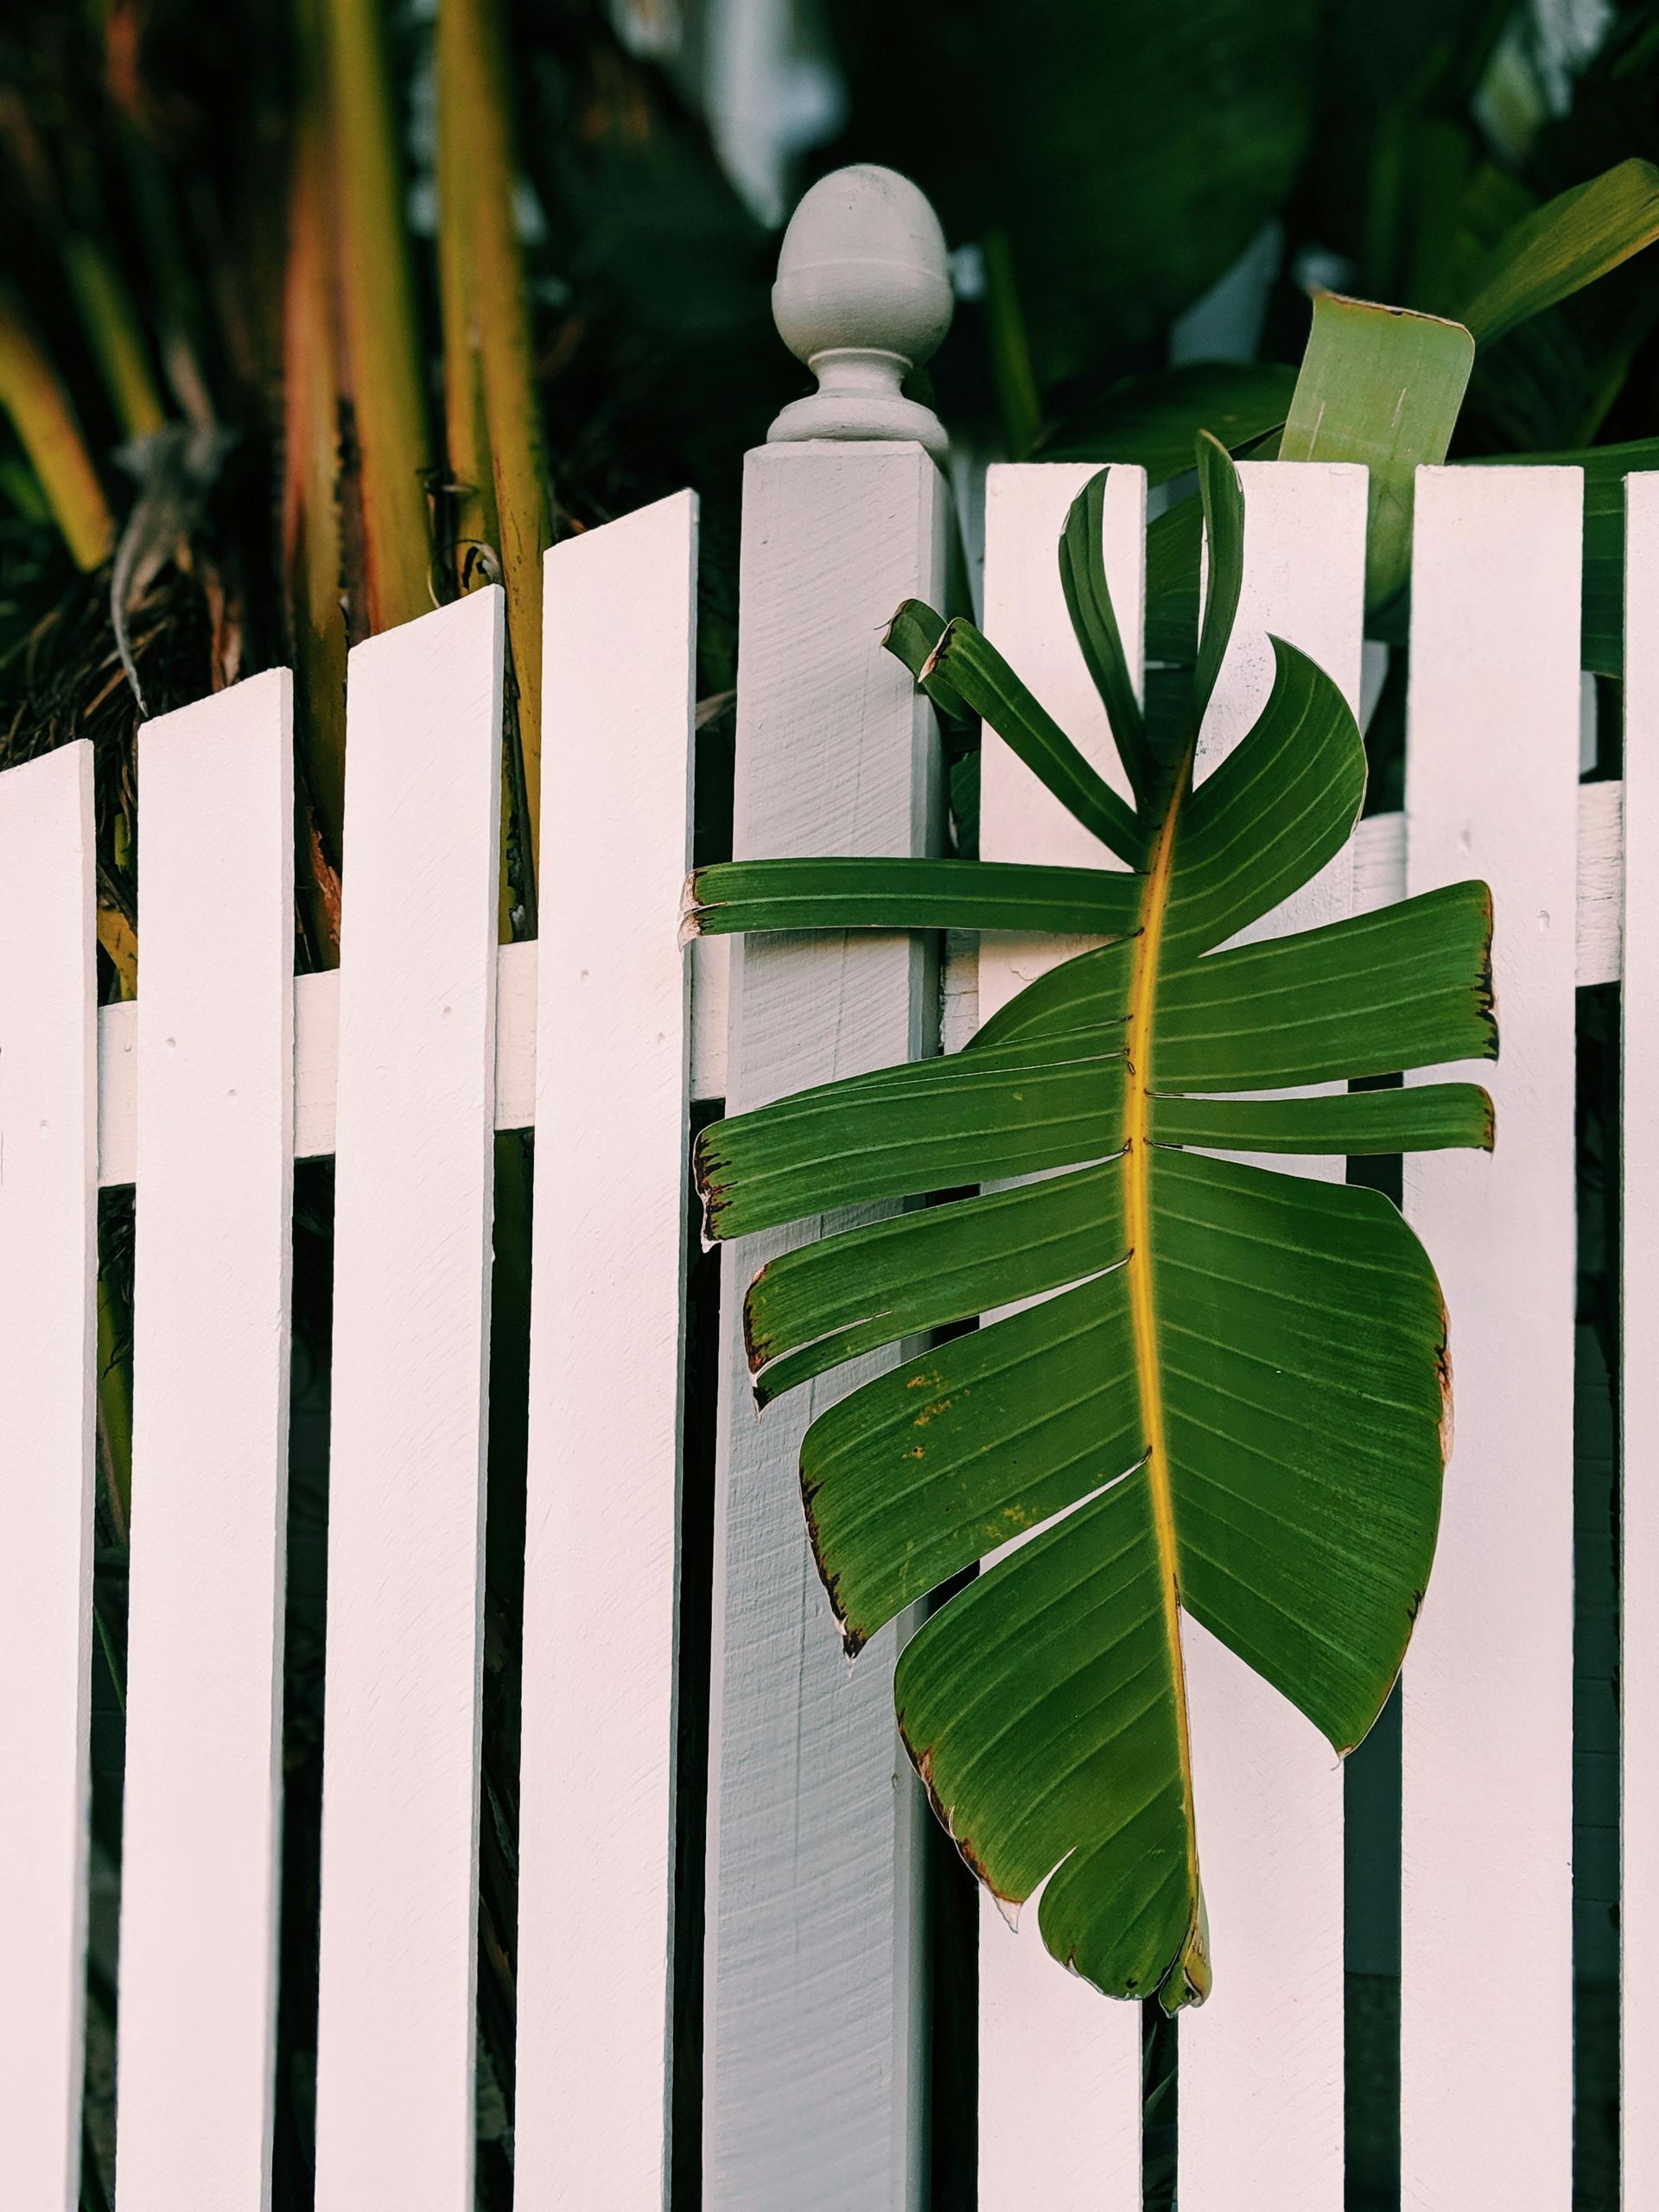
(862, 296)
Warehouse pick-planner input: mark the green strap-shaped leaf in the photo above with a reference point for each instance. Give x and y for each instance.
(896, 894)
(1384, 387)
(1229, 1396)
(980, 675)
(1088, 597)
(1567, 244)
(1223, 498)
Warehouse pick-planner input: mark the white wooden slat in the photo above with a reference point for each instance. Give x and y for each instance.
(413, 1211)
(47, 1265)
(1492, 756)
(1638, 1369)
(597, 1798)
(215, 1165)
(1262, 2066)
(1060, 2074)
(814, 2093)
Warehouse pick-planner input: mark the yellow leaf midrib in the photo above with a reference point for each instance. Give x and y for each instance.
(1143, 990)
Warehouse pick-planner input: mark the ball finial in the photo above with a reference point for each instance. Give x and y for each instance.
(862, 296)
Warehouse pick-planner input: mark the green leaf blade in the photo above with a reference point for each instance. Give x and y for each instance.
(978, 673)
(1384, 387)
(903, 1132)
(1575, 238)
(754, 896)
(1094, 623)
(1428, 1117)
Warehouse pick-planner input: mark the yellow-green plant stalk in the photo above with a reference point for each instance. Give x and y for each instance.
(474, 532)
(116, 337)
(34, 396)
(311, 524)
(486, 309)
(377, 289)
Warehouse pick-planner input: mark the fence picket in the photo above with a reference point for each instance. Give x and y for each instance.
(813, 2088)
(47, 1243)
(1492, 764)
(413, 1211)
(596, 1792)
(1638, 1370)
(1262, 2068)
(1060, 2074)
(215, 1163)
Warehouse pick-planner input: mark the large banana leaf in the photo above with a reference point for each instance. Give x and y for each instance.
(1211, 1388)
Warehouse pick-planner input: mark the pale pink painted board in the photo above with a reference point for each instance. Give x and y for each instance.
(215, 1163)
(1492, 791)
(48, 1263)
(596, 1791)
(413, 1211)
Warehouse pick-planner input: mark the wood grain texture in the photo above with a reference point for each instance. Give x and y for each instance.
(1638, 1370)
(47, 1265)
(1262, 2065)
(596, 1792)
(814, 2093)
(413, 1208)
(1491, 790)
(1059, 2082)
(215, 1163)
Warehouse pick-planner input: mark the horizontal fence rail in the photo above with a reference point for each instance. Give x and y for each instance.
(1379, 878)
(411, 1065)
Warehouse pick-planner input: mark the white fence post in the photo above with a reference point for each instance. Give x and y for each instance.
(814, 2092)
(1486, 1924)
(215, 1168)
(395, 2015)
(48, 1224)
(596, 1791)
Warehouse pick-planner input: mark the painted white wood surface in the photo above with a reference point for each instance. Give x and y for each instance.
(596, 1794)
(215, 1157)
(814, 2093)
(1493, 758)
(1262, 2066)
(413, 1209)
(1059, 2076)
(1638, 1369)
(48, 1264)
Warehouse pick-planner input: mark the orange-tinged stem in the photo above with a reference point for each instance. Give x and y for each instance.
(381, 340)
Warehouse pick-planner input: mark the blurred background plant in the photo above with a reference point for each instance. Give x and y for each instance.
(314, 312)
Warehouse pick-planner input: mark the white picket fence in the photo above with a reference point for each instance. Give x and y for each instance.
(430, 1037)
